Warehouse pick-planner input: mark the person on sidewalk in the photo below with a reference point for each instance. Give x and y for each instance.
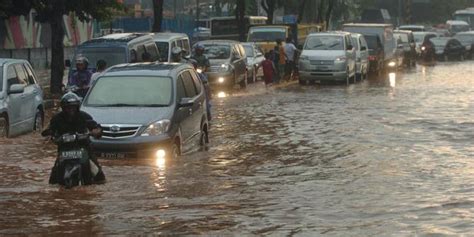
(101, 66)
(268, 70)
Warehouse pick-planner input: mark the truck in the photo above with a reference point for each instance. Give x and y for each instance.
(265, 36)
(385, 33)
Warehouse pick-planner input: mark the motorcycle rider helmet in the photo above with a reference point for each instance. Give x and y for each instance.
(82, 60)
(70, 99)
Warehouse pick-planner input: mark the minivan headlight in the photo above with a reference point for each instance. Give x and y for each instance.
(224, 67)
(157, 128)
(341, 59)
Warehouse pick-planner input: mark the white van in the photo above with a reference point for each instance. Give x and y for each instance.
(167, 41)
(455, 27)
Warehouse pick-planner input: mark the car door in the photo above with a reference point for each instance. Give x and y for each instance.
(15, 102)
(193, 121)
(350, 53)
(364, 52)
(239, 62)
(29, 110)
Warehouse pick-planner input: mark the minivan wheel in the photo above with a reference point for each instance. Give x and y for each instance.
(38, 126)
(3, 127)
(204, 139)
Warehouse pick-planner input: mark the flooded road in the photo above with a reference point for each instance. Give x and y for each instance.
(388, 156)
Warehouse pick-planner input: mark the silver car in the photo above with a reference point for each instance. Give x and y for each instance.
(328, 57)
(254, 61)
(21, 98)
(362, 55)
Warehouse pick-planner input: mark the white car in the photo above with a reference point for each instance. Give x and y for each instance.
(362, 55)
(329, 57)
(21, 98)
(254, 61)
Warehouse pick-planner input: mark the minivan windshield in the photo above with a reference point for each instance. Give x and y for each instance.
(163, 48)
(324, 42)
(270, 34)
(131, 91)
(112, 56)
(217, 51)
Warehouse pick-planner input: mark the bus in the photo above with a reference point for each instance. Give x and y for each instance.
(466, 15)
(227, 27)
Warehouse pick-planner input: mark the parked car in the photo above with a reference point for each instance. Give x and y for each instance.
(407, 41)
(448, 49)
(385, 33)
(455, 27)
(116, 49)
(420, 37)
(147, 109)
(166, 41)
(413, 28)
(21, 98)
(327, 56)
(228, 63)
(362, 55)
(254, 61)
(376, 59)
(467, 40)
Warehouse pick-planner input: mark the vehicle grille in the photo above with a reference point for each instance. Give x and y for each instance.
(322, 62)
(117, 131)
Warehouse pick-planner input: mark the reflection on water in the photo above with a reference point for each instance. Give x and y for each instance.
(221, 94)
(336, 160)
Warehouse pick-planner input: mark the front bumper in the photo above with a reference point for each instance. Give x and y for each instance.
(135, 147)
(323, 76)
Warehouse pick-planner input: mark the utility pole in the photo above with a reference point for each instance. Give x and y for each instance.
(399, 12)
(198, 11)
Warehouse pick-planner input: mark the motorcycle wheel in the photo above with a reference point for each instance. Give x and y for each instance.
(74, 178)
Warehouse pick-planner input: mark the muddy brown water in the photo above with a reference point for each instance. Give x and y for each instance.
(388, 156)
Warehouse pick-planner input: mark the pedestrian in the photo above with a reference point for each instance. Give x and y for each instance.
(276, 60)
(268, 70)
(290, 50)
(101, 65)
(281, 60)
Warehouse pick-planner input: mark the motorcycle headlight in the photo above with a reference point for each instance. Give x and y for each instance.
(157, 128)
(224, 67)
(423, 48)
(199, 70)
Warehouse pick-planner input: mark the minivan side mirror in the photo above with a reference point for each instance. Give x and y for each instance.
(67, 63)
(363, 48)
(186, 102)
(16, 89)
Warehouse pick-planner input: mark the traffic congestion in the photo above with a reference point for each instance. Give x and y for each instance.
(363, 130)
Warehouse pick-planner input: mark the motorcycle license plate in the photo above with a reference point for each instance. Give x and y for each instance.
(112, 155)
(71, 155)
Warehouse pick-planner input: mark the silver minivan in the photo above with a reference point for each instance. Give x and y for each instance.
(166, 41)
(327, 56)
(21, 98)
(362, 55)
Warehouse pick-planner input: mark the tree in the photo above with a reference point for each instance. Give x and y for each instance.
(158, 15)
(239, 16)
(269, 7)
(52, 12)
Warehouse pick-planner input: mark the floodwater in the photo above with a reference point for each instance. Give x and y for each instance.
(388, 156)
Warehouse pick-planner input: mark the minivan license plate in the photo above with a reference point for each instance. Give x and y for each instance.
(112, 155)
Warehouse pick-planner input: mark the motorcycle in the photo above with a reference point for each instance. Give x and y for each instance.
(427, 54)
(73, 165)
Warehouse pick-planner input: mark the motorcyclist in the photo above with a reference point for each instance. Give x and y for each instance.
(71, 121)
(82, 77)
(201, 59)
(177, 55)
(428, 50)
(207, 89)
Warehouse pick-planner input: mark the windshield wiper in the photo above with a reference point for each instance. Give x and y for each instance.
(153, 105)
(115, 105)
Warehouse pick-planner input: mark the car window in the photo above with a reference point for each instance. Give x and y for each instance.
(152, 50)
(354, 42)
(180, 44)
(188, 84)
(217, 51)
(12, 78)
(20, 72)
(186, 46)
(241, 51)
(30, 74)
(348, 42)
(140, 51)
(197, 82)
(236, 52)
(180, 91)
(249, 50)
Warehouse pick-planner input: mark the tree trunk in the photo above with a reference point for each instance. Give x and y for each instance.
(329, 12)
(269, 7)
(57, 53)
(240, 15)
(320, 11)
(301, 11)
(158, 15)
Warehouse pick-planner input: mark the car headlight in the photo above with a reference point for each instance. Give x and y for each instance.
(341, 59)
(392, 64)
(304, 57)
(157, 128)
(224, 67)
